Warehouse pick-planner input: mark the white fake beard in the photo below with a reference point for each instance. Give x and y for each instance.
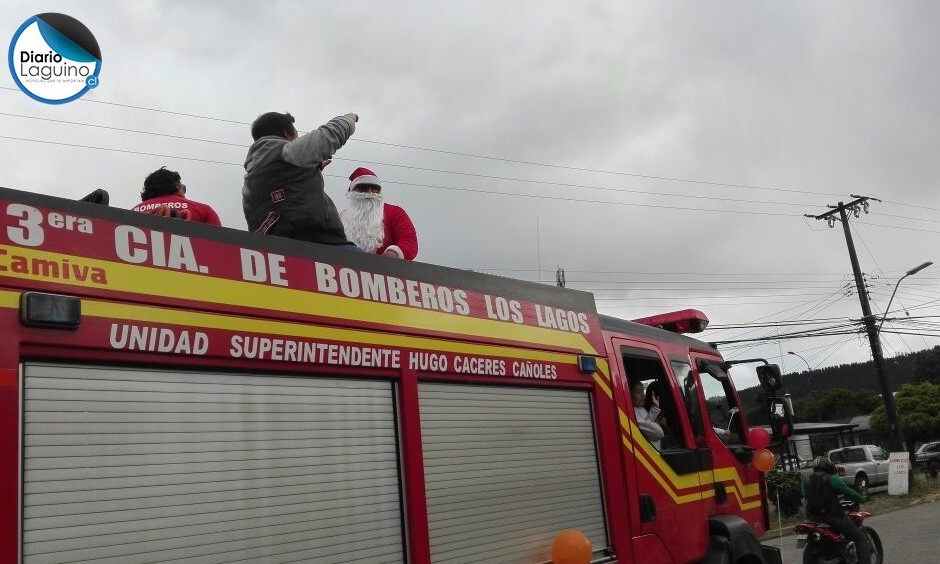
(363, 220)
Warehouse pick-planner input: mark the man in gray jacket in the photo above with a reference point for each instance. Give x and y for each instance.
(283, 192)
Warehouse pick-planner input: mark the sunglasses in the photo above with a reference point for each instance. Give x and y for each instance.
(368, 188)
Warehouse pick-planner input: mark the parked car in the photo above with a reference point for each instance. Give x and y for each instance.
(861, 466)
(927, 458)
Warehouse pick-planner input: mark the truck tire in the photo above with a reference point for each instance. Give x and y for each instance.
(719, 552)
(861, 484)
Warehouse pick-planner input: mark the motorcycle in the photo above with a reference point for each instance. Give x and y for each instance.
(822, 545)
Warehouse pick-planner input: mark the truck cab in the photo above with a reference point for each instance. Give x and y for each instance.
(696, 491)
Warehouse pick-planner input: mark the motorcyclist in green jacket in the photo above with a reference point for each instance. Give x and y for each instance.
(822, 490)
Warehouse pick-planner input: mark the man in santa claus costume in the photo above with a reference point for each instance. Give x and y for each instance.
(377, 227)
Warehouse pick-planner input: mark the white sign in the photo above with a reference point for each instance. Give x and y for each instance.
(899, 467)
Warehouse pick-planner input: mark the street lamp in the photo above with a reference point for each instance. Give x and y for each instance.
(910, 272)
(809, 378)
(896, 438)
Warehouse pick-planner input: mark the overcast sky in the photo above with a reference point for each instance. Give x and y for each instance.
(526, 136)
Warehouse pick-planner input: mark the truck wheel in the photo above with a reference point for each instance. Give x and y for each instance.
(861, 484)
(719, 552)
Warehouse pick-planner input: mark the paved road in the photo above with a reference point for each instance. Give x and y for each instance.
(909, 535)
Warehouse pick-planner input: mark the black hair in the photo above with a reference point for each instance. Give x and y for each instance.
(272, 123)
(161, 182)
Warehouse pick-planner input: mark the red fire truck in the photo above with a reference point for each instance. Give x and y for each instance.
(177, 393)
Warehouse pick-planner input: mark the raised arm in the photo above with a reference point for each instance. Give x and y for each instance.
(312, 148)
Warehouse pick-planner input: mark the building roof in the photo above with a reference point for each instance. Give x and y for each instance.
(862, 422)
(826, 427)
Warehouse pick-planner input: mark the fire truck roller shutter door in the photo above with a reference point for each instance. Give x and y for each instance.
(507, 468)
(126, 465)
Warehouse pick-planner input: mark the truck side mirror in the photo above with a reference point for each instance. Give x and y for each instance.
(769, 377)
(781, 418)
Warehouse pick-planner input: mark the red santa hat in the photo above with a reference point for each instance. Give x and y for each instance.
(362, 176)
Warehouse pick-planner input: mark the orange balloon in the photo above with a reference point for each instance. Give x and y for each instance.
(763, 460)
(571, 547)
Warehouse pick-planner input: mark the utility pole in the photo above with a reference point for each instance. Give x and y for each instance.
(838, 213)
(560, 277)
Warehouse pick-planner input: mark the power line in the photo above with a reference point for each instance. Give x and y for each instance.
(748, 348)
(701, 297)
(686, 285)
(733, 279)
(875, 260)
(127, 151)
(787, 336)
(841, 340)
(503, 159)
(897, 227)
(414, 184)
(679, 273)
(654, 304)
(887, 284)
(125, 130)
(918, 206)
(904, 322)
(730, 279)
(820, 347)
(917, 334)
(911, 218)
(795, 323)
(818, 305)
(476, 156)
(422, 169)
(648, 306)
(840, 345)
(144, 108)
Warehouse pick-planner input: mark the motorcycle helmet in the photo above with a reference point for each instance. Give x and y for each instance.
(824, 464)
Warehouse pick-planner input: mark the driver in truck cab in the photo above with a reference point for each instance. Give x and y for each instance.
(822, 490)
(646, 418)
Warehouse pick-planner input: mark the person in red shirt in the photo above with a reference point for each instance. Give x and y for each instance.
(377, 227)
(165, 194)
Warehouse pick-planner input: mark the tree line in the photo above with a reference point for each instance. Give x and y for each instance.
(838, 393)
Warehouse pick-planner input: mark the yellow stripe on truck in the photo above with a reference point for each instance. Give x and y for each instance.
(196, 319)
(731, 475)
(603, 386)
(146, 281)
(672, 482)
